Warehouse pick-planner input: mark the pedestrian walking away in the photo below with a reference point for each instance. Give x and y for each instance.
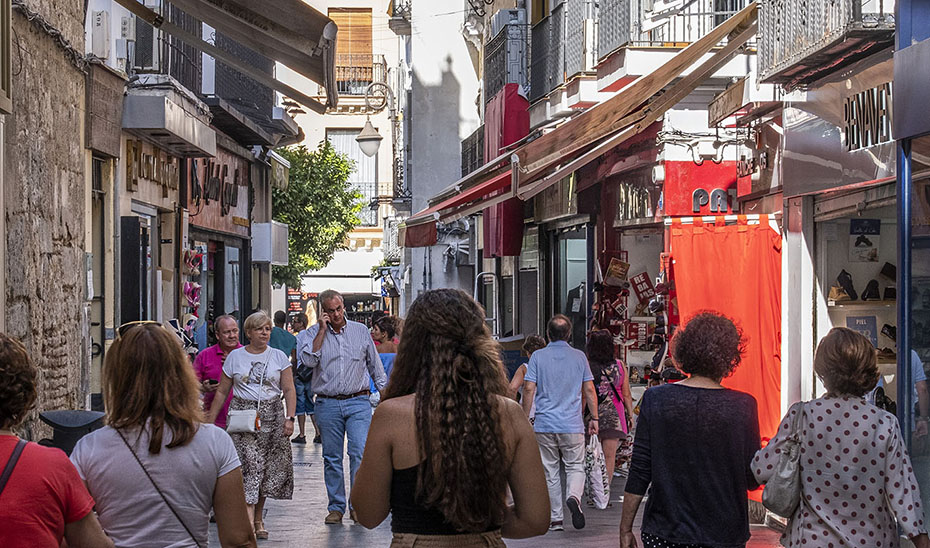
(343, 358)
(260, 375)
(614, 401)
(555, 378)
(693, 447)
(155, 470)
(304, 391)
(208, 365)
(42, 497)
(442, 452)
(857, 484)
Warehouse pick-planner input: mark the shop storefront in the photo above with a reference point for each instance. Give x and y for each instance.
(149, 224)
(217, 269)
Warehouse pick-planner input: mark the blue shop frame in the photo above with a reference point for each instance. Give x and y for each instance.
(911, 121)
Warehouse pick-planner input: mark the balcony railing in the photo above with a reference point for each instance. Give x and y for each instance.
(505, 59)
(369, 191)
(473, 151)
(802, 41)
(355, 72)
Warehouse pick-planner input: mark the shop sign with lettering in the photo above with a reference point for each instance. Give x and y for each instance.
(211, 181)
(867, 118)
(158, 167)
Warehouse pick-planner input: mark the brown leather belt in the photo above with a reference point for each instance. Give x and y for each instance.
(345, 396)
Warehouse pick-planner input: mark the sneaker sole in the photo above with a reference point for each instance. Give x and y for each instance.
(577, 514)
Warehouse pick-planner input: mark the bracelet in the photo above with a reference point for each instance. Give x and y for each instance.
(594, 419)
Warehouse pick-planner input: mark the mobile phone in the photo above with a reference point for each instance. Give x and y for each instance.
(213, 381)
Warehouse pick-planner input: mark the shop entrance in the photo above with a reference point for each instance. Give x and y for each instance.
(570, 272)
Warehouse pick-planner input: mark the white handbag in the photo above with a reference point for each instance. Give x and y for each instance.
(247, 420)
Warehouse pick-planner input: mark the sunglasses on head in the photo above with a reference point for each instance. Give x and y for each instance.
(123, 329)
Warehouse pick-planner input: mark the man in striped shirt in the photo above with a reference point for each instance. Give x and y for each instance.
(343, 358)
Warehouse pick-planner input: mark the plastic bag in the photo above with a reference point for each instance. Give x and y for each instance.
(597, 484)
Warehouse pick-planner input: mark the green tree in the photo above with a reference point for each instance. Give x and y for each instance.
(319, 207)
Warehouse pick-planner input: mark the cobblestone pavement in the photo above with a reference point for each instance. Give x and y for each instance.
(299, 522)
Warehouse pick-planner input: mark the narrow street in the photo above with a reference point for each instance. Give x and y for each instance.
(299, 522)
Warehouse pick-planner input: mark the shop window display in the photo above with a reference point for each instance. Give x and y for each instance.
(858, 276)
(919, 329)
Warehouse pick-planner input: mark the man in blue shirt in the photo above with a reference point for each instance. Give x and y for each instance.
(555, 379)
(280, 337)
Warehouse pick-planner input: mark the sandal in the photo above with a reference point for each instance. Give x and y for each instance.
(260, 532)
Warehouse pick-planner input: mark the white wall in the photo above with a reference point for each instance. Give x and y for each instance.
(442, 113)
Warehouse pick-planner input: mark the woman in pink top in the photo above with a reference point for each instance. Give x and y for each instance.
(208, 365)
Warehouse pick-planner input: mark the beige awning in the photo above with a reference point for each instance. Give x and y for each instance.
(288, 31)
(579, 141)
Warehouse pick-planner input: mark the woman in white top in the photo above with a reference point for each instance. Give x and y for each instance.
(857, 484)
(260, 375)
(139, 467)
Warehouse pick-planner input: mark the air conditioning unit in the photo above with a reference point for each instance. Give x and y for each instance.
(269, 243)
(147, 56)
(100, 34)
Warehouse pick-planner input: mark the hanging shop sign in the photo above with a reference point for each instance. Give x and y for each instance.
(146, 162)
(218, 193)
(838, 133)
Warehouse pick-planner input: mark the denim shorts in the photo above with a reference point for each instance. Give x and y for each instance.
(304, 397)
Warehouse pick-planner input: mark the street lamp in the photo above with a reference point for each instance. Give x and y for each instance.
(369, 139)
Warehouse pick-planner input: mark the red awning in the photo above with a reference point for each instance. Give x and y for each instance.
(420, 229)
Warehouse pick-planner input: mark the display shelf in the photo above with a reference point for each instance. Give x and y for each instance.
(861, 304)
(643, 319)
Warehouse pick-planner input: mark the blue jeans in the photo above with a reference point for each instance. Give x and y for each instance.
(339, 419)
(305, 404)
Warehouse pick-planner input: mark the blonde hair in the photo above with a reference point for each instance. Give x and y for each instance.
(256, 320)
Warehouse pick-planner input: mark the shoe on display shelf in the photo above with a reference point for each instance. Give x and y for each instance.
(870, 293)
(845, 281)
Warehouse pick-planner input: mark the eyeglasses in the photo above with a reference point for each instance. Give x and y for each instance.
(123, 329)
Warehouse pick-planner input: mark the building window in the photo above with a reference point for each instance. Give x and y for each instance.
(355, 65)
(364, 177)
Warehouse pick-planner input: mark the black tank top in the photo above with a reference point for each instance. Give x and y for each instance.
(408, 516)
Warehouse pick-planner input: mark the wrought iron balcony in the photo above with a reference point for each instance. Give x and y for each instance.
(473, 151)
(399, 22)
(800, 42)
(355, 72)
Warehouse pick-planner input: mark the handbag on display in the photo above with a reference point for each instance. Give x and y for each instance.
(247, 420)
(782, 492)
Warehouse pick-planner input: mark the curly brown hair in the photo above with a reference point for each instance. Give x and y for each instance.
(847, 363)
(709, 345)
(148, 382)
(450, 361)
(17, 382)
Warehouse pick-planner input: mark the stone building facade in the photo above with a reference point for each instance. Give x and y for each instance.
(45, 199)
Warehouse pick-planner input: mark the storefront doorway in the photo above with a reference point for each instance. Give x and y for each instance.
(571, 273)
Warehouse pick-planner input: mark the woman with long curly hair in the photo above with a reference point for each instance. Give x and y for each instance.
(447, 441)
(694, 444)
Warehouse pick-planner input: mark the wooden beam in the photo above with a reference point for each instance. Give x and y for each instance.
(158, 21)
(641, 119)
(605, 118)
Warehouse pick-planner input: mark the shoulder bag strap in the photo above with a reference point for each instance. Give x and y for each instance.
(10, 464)
(261, 389)
(155, 485)
(798, 423)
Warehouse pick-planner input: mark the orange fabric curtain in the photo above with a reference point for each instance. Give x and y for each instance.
(736, 270)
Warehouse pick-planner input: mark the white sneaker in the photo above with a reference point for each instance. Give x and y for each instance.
(556, 526)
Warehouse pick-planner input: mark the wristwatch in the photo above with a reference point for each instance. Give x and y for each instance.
(292, 419)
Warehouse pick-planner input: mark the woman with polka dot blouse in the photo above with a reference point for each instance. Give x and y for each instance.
(857, 484)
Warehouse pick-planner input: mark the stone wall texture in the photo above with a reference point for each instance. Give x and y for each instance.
(44, 185)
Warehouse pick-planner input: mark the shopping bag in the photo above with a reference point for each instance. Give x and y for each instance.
(597, 484)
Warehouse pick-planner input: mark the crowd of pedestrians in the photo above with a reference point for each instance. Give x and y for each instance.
(436, 437)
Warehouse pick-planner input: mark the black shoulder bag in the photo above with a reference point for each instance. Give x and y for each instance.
(10, 464)
(155, 485)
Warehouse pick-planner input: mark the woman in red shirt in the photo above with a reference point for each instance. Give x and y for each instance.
(43, 499)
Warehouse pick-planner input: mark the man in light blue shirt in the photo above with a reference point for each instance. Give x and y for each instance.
(343, 358)
(555, 379)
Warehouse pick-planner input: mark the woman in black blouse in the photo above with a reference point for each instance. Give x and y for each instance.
(694, 444)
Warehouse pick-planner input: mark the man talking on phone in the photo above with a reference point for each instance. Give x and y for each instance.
(208, 365)
(343, 358)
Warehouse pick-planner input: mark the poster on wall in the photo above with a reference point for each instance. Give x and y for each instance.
(863, 240)
(866, 325)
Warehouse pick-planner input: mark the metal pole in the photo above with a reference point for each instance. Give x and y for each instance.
(906, 394)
